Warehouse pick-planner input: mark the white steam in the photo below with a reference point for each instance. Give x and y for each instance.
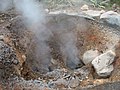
(64, 30)
(31, 10)
(69, 49)
(5, 5)
(35, 19)
(34, 16)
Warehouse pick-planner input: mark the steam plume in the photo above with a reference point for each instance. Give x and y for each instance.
(5, 5)
(34, 16)
(69, 50)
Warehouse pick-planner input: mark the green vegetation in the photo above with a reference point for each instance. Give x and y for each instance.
(56, 3)
(105, 3)
(59, 4)
(115, 1)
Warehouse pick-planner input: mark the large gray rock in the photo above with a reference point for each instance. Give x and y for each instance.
(111, 17)
(103, 63)
(89, 55)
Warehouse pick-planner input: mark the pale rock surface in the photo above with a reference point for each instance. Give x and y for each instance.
(103, 63)
(93, 13)
(111, 17)
(84, 7)
(89, 55)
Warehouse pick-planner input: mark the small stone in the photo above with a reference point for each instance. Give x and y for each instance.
(47, 10)
(53, 61)
(89, 55)
(16, 87)
(83, 72)
(16, 62)
(1, 37)
(74, 82)
(84, 7)
(103, 63)
(6, 40)
(56, 73)
(114, 6)
(24, 57)
(61, 82)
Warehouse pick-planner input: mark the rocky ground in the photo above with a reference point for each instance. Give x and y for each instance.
(97, 41)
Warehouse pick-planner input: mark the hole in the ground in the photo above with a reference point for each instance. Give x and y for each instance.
(71, 37)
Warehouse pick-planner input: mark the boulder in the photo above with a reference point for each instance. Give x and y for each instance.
(111, 17)
(103, 63)
(89, 55)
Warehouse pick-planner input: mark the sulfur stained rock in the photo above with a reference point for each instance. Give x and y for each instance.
(1, 37)
(103, 63)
